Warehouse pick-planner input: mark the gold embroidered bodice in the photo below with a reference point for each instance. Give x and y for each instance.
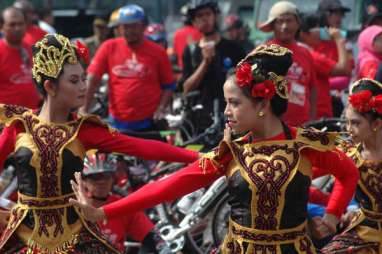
(46, 155)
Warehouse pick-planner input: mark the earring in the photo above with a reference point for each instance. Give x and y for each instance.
(375, 129)
(261, 113)
(52, 94)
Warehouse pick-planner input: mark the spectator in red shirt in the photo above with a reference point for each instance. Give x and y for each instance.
(324, 66)
(33, 32)
(370, 52)
(186, 35)
(16, 83)
(332, 13)
(141, 80)
(283, 20)
(98, 177)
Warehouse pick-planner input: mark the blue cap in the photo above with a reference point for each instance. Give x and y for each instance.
(131, 13)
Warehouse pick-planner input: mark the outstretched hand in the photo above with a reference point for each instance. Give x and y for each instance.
(90, 212)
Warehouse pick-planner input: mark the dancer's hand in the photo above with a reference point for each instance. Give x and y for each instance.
(325, 226)
(90, 212)
(4, 218)
(227, 133)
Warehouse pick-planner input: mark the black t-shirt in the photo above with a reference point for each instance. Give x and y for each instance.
(227, 54)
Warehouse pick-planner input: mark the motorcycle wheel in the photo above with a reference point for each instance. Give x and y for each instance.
(210, 232)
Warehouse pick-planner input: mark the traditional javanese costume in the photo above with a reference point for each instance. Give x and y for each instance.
(364, 234)
(47, 155)
(268, 182)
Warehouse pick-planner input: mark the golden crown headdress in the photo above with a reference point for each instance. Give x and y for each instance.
(253, 74)
(50, 59)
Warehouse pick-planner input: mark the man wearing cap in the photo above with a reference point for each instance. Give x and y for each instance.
(331, 14)
(207, 62)
(98, 177)
(283, 21)
(100, 34)
(141, 80)
(184, 36)
(235, 30)
(113, 20)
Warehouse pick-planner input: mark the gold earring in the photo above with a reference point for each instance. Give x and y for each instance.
(261, 113)
(375, 129)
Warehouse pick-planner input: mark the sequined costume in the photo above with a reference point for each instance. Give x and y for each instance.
(268, 183)
(364, 234)
(47, 155)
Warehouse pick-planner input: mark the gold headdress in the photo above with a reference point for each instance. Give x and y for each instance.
(254, 74)
(50, 59)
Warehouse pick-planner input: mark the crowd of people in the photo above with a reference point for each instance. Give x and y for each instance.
(268, 92)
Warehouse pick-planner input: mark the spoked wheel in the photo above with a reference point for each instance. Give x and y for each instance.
(210, 232)
(220, 220)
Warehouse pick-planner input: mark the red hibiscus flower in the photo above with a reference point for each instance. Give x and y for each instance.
(264, 90)
(244, 75)
(83, 52)
(376, 103)
(361, 101)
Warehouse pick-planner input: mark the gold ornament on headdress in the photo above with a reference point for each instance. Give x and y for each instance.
(49, 60)
(358, 82)
(280, 82)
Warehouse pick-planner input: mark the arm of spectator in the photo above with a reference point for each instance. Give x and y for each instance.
(193, 81)
(164, 101)
(343, 65)
(92, 84)
(313, 101)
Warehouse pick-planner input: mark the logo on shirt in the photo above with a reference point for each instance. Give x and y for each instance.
(297, 91)
(24, 76)
(130, 69)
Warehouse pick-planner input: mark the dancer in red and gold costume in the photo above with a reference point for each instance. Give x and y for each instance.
(364, 122)
(268, 170)
(48, 147)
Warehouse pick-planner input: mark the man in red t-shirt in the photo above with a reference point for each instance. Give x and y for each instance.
(324, 65)
(16, 83)
(186, 35)
(141, 80)
(33, 32)
(284, 22)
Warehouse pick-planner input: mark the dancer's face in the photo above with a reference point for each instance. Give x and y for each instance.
(241, 111)
(358, 126)
(71, 87)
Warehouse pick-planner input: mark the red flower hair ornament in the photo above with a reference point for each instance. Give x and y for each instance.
(264, 90)
(364, 101)
(83, 52)
(245, 77)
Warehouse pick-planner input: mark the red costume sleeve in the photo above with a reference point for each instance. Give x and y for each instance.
(97, 137)
(343, 169)
(177, 185)
(7, 142)
(316, 196)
